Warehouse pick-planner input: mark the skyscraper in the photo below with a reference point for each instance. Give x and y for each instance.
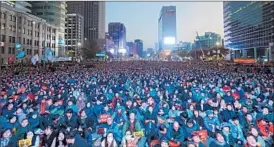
(139, 47)
(74, 36)
(249, 28)
(167, 28)
(117, 32)
(94, 18)
(54, 12)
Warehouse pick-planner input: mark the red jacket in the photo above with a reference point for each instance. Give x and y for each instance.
(265, 129)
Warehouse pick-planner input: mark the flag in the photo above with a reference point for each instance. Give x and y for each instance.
(18, 46)
(49, 55)
(21, 54)
(11, 59)
(34, 59)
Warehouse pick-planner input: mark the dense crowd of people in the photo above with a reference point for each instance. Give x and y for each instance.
(136, 103)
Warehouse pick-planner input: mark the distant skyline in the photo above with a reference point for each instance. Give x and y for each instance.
(141, 19)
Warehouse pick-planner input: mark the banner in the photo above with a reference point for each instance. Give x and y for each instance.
(34, 59)
(21, 54)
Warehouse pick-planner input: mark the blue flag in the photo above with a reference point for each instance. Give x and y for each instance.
(18, 46)
(34, 59)
(49, 55)
(21, 54)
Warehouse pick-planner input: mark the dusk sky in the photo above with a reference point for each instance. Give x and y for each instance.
(140, 19)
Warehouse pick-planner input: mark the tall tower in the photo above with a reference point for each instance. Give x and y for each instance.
(94, 18)
(167, 28)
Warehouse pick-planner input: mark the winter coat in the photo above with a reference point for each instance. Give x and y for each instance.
(70, 123)
(215, 143)
(189, 130)
(209, 123)
(137, 126)
(236, 131)
(177, 136)
(226, 115)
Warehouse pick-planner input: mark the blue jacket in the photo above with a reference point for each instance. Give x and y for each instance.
(210, 122)
(177, 136)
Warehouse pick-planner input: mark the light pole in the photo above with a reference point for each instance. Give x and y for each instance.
(78, 46)
(217, 44)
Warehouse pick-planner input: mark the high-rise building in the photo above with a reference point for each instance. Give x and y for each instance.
(167, 28)
(209, 40)
(18, 27)
(117, 33)
(139, 47)
(94, 18)
(54, 12)
(249, 28)
(74, 33)
(131, 48)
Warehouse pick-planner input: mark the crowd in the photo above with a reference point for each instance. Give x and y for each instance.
(136, 103)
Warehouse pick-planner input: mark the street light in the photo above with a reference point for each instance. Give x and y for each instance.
(77, 52)
(217, 44)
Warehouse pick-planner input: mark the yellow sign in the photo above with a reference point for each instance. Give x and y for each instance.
(24, 142)
(138, 134)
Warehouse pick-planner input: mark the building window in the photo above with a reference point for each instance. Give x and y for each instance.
(3, 26)
(19, 29)
(10, 17)
(2, 50)
(27, 41)
(39, 13)
(4, 15)
(10, 39)
(24, 41)
(14, 28)
(9, 50)
(24, 31)
(3, 38)
(14, 18)
(10, 28)
(13, 39)
(13, 50)
(19, 39)
(30, 42)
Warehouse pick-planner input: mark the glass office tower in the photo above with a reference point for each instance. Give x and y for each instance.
(249, 28)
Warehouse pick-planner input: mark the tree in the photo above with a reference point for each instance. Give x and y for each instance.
(90, 49)
(183, 53)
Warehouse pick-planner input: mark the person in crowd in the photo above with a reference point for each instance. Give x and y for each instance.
(7, 139)
(218, 141)
(211, 122)
(253, 131)
(109, 141)
(49, 136)
(73, 139)
(23, 129)
(176, 133)
(35, 139)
